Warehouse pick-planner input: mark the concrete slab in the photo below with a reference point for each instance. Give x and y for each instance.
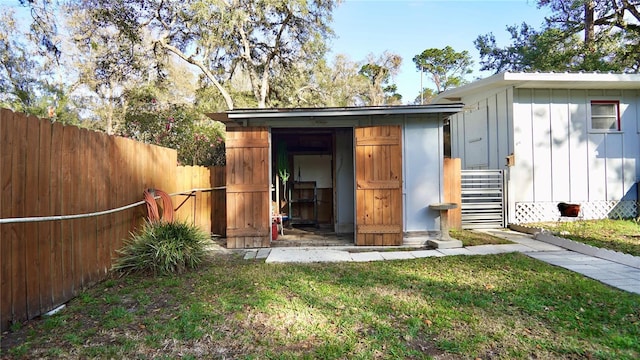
(612, 276)
(397, 255)
(621, 282)
(548, 255)
(537, 245)
(582, 268)
(596, 275)
(573, 256)
(630, 288)
(426, 253)
(459, 251)
(445, 244)
(306, 255)
(250, 254)
(611, 266)
(497, 249)
(521, 238)
(366, 256)
(263, 253)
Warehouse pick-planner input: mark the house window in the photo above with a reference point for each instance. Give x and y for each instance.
(605, 115)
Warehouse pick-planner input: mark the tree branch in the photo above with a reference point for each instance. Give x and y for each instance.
(250, 67)
(264, 87)
(632, 9)
(203, 68)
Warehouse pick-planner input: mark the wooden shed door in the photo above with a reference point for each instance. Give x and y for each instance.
(378, 185)
(248, 215)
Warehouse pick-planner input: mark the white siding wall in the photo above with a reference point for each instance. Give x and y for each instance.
(422, 156)
(559, 125)
(481, 135)
(559, 159)
(578, 133)
(345, 183)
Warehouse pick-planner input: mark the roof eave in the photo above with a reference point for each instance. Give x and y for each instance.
(241, 114)
(541, 80)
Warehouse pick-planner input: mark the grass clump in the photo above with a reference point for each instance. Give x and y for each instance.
(163, 248)
(472, 238)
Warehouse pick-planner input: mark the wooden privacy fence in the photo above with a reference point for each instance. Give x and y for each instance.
(206, 209)
(49, 170)
(452, 190)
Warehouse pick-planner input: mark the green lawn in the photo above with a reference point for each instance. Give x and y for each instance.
(618, 235)
(471, 238)
(491, 307)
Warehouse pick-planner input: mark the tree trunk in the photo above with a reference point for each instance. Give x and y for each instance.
(109, 126)
(589, 32)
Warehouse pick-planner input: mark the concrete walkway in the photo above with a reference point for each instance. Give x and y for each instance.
(612, 273)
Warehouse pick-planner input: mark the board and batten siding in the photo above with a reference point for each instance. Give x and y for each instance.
(481, 135)
(248, 180)
(557, 157)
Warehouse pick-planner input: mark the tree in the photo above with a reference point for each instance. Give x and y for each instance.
(445, 67)
(340, 83)
(19, 73)
(579, 35)
(28, 82)
(43, 27)
(152, 118)
(335, 84)
(426, 97)
(224, 38)
(380, 72)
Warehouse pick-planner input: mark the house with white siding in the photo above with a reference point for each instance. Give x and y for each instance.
(559, 137)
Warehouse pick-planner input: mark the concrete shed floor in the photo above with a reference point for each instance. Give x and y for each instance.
(296, 236)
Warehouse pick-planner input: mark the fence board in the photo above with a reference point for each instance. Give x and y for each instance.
(18, 293)
(118, 158)
(6, 155)
(196, 208)
(32, 270)
(69, 251)
(92, 144)
(218, 202)
(44, 233)
(55, 208)
(103, 230)
(81, 237)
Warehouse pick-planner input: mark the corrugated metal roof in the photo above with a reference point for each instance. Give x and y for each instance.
(543, 80)
(337, 112)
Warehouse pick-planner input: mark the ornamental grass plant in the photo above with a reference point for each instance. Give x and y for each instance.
(162, 248)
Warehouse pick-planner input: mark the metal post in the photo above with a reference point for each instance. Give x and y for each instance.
(421, 87)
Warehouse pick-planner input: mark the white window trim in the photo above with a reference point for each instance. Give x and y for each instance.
(605, 100)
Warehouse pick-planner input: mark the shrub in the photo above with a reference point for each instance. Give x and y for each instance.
(162, 248)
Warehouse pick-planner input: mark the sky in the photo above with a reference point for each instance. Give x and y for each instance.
(408, 27)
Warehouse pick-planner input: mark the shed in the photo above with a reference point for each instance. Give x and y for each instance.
(366, 171)
(560, 137)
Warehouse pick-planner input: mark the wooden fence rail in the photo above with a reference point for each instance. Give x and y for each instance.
(48, 169)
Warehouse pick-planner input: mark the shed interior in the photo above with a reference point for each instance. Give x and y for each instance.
(305, 189)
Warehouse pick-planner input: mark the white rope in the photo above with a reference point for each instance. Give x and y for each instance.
(98, 213)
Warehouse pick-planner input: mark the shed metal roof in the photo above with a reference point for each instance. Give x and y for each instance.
(334, 112)
(539, 80)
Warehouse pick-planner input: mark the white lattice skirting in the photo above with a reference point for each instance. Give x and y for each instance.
(527, 212)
